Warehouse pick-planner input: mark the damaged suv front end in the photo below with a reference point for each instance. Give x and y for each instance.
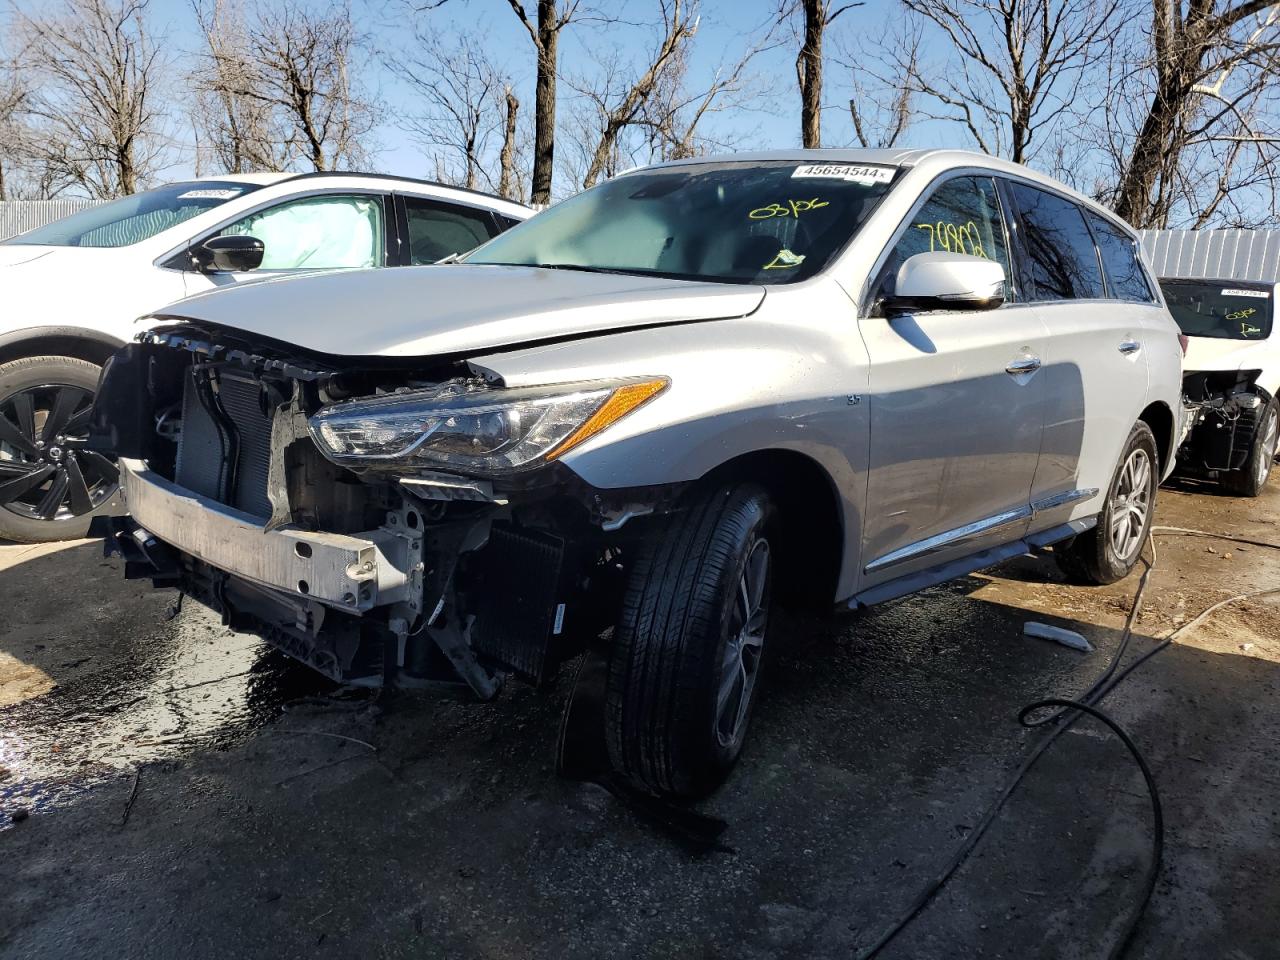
(1230, 381)
(374, 522)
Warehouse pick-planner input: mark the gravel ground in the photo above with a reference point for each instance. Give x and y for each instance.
(182, 791)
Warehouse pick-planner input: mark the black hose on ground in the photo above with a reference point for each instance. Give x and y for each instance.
(1068, 712)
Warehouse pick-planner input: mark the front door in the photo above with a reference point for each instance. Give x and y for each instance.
(325, 232)
(957, 403)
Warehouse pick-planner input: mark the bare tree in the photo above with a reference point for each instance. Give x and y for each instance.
(1202, 140)
(297, 64)
(618, 109)
(552, 17)
(243, 132)
(460, 89)
(508, 179)
(95, 70)
(13, 97)
(885, 87)
(1013, 66)
(817, 16)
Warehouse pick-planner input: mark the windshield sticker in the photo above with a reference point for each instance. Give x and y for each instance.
(785, 260)
(1242, 314)
(209, 194)
(1260, 294)
(792, 208)
(954, 239)
(853, 172)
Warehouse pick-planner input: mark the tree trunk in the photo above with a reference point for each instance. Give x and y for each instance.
(544, 103)
(1154, 140)
(809, 73)
(507, 159)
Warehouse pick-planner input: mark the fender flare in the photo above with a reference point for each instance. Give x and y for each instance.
(80, 342)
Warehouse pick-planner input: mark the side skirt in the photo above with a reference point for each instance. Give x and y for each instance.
(931, 577)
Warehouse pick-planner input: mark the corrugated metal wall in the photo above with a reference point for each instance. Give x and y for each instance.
(19, 216)
(1218, 254)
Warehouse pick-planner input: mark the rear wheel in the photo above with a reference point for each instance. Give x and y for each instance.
(1249, 480)
(688, 646)
(50, 485)
(1110, 550)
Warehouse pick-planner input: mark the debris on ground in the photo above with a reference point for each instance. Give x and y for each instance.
(1068, 638)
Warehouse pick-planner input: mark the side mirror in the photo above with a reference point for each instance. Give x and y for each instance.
(229, 253)
(946, 281)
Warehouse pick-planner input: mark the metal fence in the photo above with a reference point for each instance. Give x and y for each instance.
(19, 216)
(1214, 254)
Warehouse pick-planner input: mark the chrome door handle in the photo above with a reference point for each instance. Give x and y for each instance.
(1025, 365)
(1128, 347)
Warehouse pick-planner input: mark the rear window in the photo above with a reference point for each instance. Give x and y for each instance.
(1058, 248)
(1219, 309)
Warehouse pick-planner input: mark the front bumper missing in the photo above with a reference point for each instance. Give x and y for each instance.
(349, 572)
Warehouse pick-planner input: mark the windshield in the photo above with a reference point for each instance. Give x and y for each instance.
(736, 222)
(1219, 309)
(135, 218)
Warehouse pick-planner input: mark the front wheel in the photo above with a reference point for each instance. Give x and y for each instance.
(1249, 480)
(50, 485)
(689, 642)
(1110, 550)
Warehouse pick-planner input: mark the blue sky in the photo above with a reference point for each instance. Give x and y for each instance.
(725, 30)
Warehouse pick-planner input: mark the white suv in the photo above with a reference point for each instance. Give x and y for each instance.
(72, 290)
(839, 376)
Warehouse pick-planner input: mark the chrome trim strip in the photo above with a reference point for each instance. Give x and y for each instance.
(1061, 500)
(949, 538)
(970, 530)
(354, 573)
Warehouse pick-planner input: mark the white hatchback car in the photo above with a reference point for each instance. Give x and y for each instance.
(72, 291)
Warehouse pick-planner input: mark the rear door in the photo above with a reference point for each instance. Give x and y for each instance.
(1095, 368)
(957, 401)
(435, 229)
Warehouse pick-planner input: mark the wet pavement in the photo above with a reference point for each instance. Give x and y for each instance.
(192, 793)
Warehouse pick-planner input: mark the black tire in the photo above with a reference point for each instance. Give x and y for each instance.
(681, 624)
(1093, 557)
(33, 390)
(1250, 479)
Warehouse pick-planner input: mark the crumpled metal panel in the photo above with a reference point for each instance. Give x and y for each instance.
(1214, 254)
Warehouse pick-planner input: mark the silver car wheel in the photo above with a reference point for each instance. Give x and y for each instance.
(741, 660)
(1270, 438)
(1130, 505)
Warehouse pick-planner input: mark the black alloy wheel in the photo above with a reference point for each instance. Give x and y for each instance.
(49, 482)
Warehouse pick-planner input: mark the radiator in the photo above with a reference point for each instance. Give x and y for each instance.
(204, 463)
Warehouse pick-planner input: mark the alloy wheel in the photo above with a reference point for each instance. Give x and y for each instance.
(1130, 505)
(45, 471)
(741, 660)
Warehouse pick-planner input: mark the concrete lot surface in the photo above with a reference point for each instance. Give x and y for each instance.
(190, 794)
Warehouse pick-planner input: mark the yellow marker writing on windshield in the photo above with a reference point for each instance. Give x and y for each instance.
(792, 208)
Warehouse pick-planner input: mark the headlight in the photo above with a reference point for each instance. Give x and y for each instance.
(485, 431)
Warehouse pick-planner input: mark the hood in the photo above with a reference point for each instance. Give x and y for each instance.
(1213, 353)
(13, 254)
(455, 308)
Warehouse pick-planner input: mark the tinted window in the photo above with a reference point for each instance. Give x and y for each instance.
(1223, 310)
(318, 233)
(138, 217)
(962, 216)
(1061, 261)
(1125, 277)
(439, 230)
(739, 221)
